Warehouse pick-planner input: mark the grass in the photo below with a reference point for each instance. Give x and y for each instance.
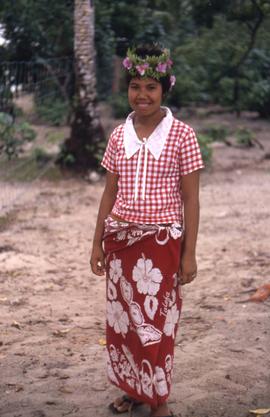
(28, 169)
(55, 137)
(6, 220)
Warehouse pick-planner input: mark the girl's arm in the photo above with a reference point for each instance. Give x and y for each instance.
(106, 204)
(190, 195)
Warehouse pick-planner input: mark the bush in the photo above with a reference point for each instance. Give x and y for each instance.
(206, 150)
(120, 106)
(13, 135)
(53, 111)
(244, 137)
(41, 156)
(256, 91)
(216, 133)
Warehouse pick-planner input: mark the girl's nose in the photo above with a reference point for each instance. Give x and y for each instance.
(141, 92)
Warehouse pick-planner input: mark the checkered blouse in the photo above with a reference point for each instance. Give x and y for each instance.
(150, 170)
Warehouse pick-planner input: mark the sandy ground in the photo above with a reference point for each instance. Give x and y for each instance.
(52, 307)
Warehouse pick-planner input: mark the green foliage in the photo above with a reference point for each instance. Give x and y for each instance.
(256, 86)
(55, 137)
(41, 156)
(216, 133)
(37, 28)
(52, 110)
(244, 137)
(14, 135)
(220, 48)
(120, 106)
(66, 158)
(205, 146)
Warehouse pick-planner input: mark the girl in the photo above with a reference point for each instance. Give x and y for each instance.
(151, 193)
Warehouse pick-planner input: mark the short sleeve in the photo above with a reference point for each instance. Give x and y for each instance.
(190, 154)
(109, 157)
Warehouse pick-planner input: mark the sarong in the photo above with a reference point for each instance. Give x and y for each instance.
(143, 307)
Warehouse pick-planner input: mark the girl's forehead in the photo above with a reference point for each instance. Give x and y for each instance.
(144, 81)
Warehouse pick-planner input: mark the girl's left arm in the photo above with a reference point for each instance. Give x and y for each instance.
(190, 195)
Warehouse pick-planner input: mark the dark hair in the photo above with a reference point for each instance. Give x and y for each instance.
(145, 50)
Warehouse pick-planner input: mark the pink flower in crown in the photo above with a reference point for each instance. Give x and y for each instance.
(169, 63)
(142, 68)
(127, 63)
(172, 80)
(161, 67)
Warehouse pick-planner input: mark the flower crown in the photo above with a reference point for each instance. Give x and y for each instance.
(151, 66)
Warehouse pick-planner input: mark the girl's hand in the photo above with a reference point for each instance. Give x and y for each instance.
(97, 260)
(188, 268)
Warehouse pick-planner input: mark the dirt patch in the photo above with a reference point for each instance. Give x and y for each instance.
(52, 361)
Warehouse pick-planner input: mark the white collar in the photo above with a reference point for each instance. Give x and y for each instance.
(155, 142)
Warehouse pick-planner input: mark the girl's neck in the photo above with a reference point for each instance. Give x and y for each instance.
(149, 121)
(144, 126)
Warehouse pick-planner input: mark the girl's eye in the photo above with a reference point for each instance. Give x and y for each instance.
(134, 87)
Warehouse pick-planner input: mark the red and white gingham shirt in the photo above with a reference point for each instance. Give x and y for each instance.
(150, 171)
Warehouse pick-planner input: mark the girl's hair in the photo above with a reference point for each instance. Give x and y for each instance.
(145, 50)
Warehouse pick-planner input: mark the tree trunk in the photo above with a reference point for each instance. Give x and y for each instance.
(87, 142)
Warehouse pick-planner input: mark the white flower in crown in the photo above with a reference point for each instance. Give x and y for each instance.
(148, 278)
(117, 317)
(115, 271)
(171, 321)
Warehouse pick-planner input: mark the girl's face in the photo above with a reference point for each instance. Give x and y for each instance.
(145, 96)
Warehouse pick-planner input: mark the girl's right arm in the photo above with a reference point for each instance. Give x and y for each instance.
(97, 260)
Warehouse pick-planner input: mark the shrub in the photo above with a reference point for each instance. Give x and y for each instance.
(216, 133)
(13, 135)
(244, 137)
(119, 104)
(53, 111)
(41, 156)
(206, 150)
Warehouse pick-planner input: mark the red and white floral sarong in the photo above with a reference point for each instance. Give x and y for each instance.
(143, 306)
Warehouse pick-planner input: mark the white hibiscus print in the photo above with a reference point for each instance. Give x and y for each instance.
(175, 280)
(150, 306)
(160, 382)
(136, 314)
(112, 292)
(168, 363)
(110, 371)
(171, 320)
(148, 278)
(117, 317)
(121, 235)
(115, 271)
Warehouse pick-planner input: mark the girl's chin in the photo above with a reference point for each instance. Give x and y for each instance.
(145, 109)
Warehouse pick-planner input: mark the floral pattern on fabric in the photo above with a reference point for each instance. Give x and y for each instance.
(143, 307)
(148, 278)
(112, 292)
(171, 321)
(117, 317)
(150, 306)
(115, 270)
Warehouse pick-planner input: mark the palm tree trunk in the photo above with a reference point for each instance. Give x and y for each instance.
(87, 141)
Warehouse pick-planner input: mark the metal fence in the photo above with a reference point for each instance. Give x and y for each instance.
(43, 79)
